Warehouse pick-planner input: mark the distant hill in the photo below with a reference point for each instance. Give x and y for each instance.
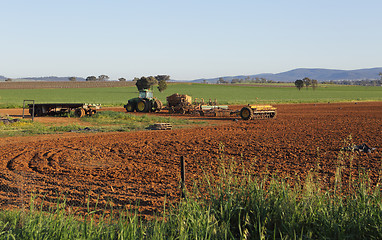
(319, 74)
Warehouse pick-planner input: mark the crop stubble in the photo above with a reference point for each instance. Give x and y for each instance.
(127, 168)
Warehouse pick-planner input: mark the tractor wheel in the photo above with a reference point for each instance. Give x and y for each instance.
(246, 113)
(157, 106)
(143, 106)
(130, 107)
(79, 112)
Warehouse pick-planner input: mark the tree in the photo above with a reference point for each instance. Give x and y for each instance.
(162, 77)
(162, 85)
(307, 82)
(103, 78)
(162, 82)
(72, 79)
(91, 78)
(221, 81)
(122, 79)
(299, 84)
(145, 83)
(314, 84)
(236, 80)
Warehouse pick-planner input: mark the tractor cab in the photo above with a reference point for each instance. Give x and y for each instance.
(146, 93)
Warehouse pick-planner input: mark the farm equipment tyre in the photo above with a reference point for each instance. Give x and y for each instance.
(90, 112)
(130, 107)
(79, 112)
(246, 113)
(143, 106)
(157, 106)
(38, 112)
(272, 115)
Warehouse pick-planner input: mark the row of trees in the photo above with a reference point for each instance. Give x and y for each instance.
(245, 80)
(366, 82)
(307, 82)
(141, 83)
(312, 82)
(94, 78)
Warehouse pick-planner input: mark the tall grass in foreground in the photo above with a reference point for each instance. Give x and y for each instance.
(234, 205)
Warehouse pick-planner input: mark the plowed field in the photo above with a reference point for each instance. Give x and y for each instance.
(127, 168)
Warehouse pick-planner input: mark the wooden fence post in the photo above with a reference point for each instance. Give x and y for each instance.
(183, 175)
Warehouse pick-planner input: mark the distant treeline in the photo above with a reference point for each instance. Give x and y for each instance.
(245, 80)
(366, 82)
(62, 84)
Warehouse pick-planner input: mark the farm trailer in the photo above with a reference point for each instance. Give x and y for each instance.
(44, 109)
(246, 113)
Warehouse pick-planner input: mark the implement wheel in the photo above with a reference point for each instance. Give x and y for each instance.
(246, 113)
(37, 112)
(91, 112)
(79, 112)
(272, 115)
(157, 106)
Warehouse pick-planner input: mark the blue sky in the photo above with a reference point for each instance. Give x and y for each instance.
(186, 39)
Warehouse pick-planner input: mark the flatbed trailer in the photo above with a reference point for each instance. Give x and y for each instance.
(80, 109)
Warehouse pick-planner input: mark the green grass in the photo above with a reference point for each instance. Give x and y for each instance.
(120, 121)
(104, 121)
(225, 94)
(27, 127)
(233, 205)
(236, 94)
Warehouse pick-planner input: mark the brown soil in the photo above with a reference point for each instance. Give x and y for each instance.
(127, 168)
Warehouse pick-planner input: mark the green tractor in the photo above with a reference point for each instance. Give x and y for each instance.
(145, 102)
